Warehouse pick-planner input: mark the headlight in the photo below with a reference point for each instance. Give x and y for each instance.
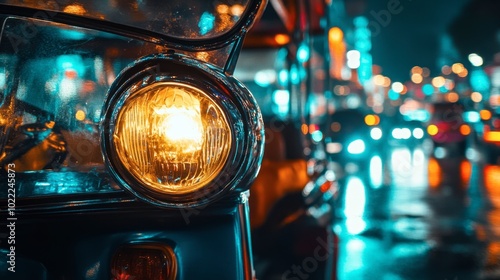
(177, 134)
(172, 137)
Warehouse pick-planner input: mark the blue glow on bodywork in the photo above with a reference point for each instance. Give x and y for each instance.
(2, 78)
(206, 23)
(73, 34)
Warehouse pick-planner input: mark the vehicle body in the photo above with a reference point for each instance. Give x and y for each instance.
(353, 135)
(292, 198)
(489, 137)
(410, 133)
(447, 127)
(126, 146)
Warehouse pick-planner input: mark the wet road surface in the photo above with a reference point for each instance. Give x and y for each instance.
(407, 215)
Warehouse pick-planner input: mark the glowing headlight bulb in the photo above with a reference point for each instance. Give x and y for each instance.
(179, 121)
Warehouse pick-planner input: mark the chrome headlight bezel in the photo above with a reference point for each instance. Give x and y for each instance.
(235, 101)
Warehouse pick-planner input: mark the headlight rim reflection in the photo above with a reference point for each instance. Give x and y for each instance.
(238, 106)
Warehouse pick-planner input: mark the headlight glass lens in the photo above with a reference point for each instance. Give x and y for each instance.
(172, 137)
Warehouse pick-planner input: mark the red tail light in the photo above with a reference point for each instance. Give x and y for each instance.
(144, 262)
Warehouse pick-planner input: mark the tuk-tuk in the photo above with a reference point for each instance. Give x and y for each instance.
(127, 148)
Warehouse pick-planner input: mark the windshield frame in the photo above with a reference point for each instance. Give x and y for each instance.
(252, 13)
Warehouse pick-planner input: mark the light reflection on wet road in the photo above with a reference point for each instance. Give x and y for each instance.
(411, 216)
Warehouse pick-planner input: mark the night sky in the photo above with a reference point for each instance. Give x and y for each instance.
(411, 36)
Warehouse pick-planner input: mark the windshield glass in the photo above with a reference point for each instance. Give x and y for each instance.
(52, 89)
(187, 19)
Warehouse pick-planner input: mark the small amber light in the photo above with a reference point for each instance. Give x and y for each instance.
(281, 39)
(434, 173)
(144, 261)
(80, 115)
(464, 129)
(370, 120)
(485, 115)
(492, 136)
(432, 129)
(304, 128)
(335, 35)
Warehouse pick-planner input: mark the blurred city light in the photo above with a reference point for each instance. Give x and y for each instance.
(476, 97)
(457, 68)
(426, 72)
(475, 59)
(283, 77)
(465, 129)
(417, 78)
(432, 129)
(417, 70)
(479, 80)
(335, 35)
(371, 120)
(207, 23)
(237, 10)
(463, 73)
(356, 147)
(428, 89)
(446, 70)
(80, 115)
(281, 97)
(472, 117)
(353, 59)
(485, 114)
(376, 133)
(265, 77)
(393, 95)
(449, 84)
(376, 172)
(378, 80)
(387, 82)
(397, 87)
(355, 198)
(418, 133)
(303, 53)
(452, 97)
(438, 81)
(317, 136)
(282, 39)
